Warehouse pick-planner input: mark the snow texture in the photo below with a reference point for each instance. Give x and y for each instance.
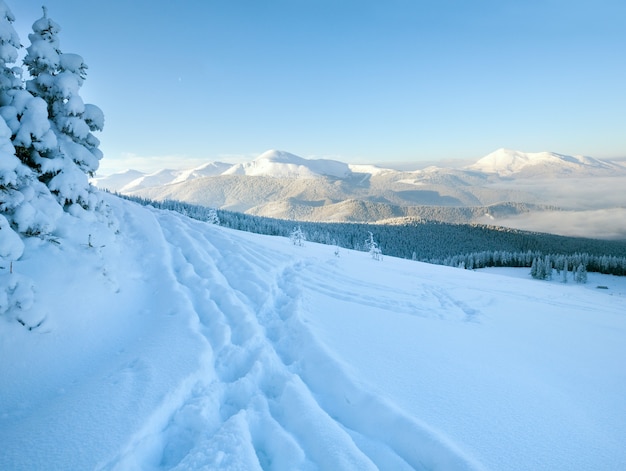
(146, 340)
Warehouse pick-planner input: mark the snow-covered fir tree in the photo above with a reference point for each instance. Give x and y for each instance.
(372, 247)
(541, 269)
(297, 236)
(212, 217)
(547, 265)
(10, 77)
(580, 275)
(56, 78)
(26, 203)
(12, 172)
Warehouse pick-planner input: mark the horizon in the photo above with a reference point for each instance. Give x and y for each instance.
(149, 165)
(359, 82)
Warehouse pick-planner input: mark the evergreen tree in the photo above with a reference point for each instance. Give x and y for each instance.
(547, 268)
(538, 269)
(372, 247)
(57, 78)
(11, 170)
(297, 237)
(24, 132)
(10, 77)
(581, 274)
(212, 217)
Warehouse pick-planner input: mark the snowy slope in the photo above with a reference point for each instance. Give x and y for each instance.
(167, 343)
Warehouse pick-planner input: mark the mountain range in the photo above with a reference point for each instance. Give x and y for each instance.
(502, 185)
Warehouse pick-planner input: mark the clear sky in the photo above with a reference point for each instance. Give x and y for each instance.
(361, 81)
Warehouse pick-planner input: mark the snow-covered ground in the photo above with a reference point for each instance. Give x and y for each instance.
(160, 342)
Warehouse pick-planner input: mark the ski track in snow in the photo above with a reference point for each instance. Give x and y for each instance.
(263, 401)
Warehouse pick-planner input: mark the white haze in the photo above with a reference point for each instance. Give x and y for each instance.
(594, 207)
(575, 193)
(596, 223)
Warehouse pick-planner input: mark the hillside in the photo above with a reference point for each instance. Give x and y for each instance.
(159, 342)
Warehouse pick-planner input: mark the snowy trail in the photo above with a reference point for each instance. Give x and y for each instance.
(271, 385)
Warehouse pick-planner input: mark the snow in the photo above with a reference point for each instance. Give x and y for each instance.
(72, 63)
(45, 27)
(45, 53)
(94, 117)
(9, 40)
(160, 342)
(34, 125)
(67, 84)
(11, 246)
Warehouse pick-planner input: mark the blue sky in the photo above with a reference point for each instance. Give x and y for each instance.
(391, 81)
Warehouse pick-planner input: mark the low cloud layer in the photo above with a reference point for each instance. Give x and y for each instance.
(597, 224)
(576, 193)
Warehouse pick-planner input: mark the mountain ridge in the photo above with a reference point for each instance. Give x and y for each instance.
(282, 164)
(283, 185)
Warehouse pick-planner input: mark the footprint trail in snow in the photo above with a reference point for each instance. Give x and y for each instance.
(271, 396)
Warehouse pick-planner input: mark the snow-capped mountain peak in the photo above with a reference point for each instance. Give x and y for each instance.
(209, 169)
(161, 177)
(507, 162)
(118, 180)
(281, 164)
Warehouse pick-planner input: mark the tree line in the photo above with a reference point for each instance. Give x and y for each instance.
(467, 246)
